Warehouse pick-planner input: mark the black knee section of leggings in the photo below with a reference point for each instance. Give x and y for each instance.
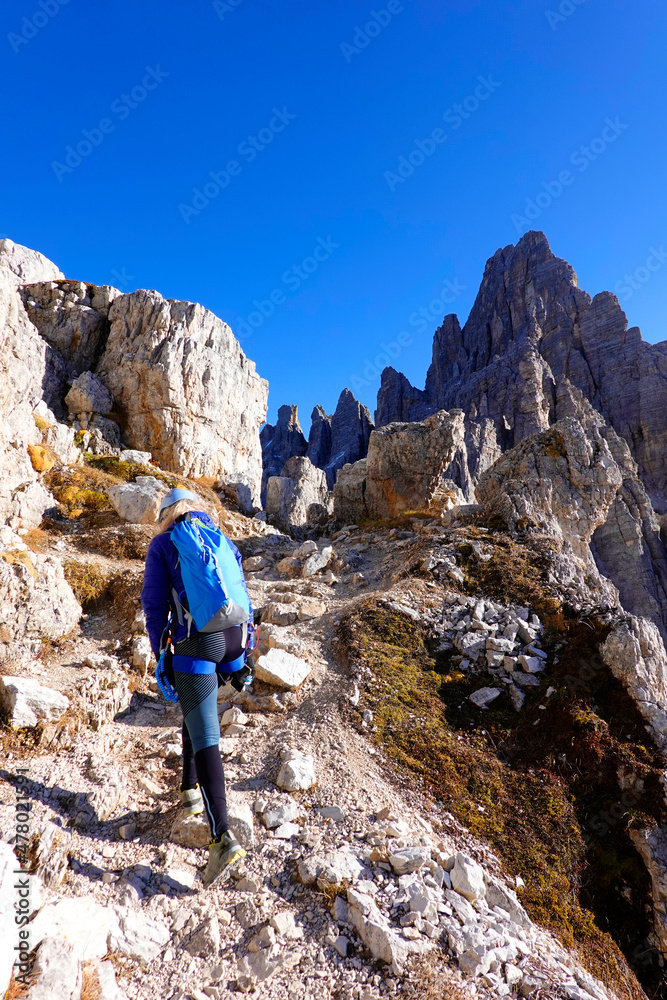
(189, 769)
(211, 779)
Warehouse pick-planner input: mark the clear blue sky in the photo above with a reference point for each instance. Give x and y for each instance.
(322, 178)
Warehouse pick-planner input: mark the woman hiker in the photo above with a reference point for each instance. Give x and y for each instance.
(196, 656)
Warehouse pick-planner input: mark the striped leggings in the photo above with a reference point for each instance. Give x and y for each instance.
(198, 697)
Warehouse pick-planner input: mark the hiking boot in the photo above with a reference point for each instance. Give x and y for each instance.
(222, 855)
(192, 802)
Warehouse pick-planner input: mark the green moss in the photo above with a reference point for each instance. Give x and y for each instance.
(540, 786)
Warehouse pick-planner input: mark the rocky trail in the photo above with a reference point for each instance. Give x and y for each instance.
(450, 771)
(356, 885)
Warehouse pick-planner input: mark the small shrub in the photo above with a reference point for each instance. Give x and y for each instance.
(88, 581)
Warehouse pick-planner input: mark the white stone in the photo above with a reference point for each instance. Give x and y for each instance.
(138, 502)
(409, 859)
(88, 394)
(531, 664)
(191, 831)
(233, 716)
(240, 818)
(297, 773)
(142, 654)
(286, 831)
(285, 812)
(284, 925)
(138, 936)
(81, 922)
(484, 696)
(135, 457)
(57, 972)
(109, 988)
(282, 669)
(27, 702)
(468, 878)
(318, 561)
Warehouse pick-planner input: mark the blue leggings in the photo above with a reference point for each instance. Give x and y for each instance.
(198, 696)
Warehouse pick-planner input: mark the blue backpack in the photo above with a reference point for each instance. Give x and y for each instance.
(216, 595)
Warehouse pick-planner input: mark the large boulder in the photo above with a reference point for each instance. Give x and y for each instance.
(138, 502)
(184, 389)
(297, 497)
(560, 483)
(88, 395)
(26, 702)
(403, 469)
(35, 600)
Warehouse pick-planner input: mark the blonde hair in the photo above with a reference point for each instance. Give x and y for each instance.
(171, 513)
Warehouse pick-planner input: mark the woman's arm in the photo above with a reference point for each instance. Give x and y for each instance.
(156, 594)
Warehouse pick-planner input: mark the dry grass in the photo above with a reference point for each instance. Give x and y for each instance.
(91, 988)
(534, 784)
(432, 978)
(89, 581)
(79, 490)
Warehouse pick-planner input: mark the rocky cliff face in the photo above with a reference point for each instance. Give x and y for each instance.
(181, 387)
(333, 441)
(533, 337)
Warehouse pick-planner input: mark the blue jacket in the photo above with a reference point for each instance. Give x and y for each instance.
(162, 573)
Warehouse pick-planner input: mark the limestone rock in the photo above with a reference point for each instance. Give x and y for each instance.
(205, 940)
(138, 935)
(135, 457)
(319, 439)
(297, 772)
(468, 878)
(292, 497)
(185, 390)
(57, 972)
(138, 502)
(240, 819)
(532, 342)
(317, 561)
(281, 669)
(652, 846)
(403, 469)
(88, 395)
(26, 702)
(72, 317)
(191, 831)
(26, 265)
(35, 600)
(409, 859)
(635, 654)
(81, 922)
